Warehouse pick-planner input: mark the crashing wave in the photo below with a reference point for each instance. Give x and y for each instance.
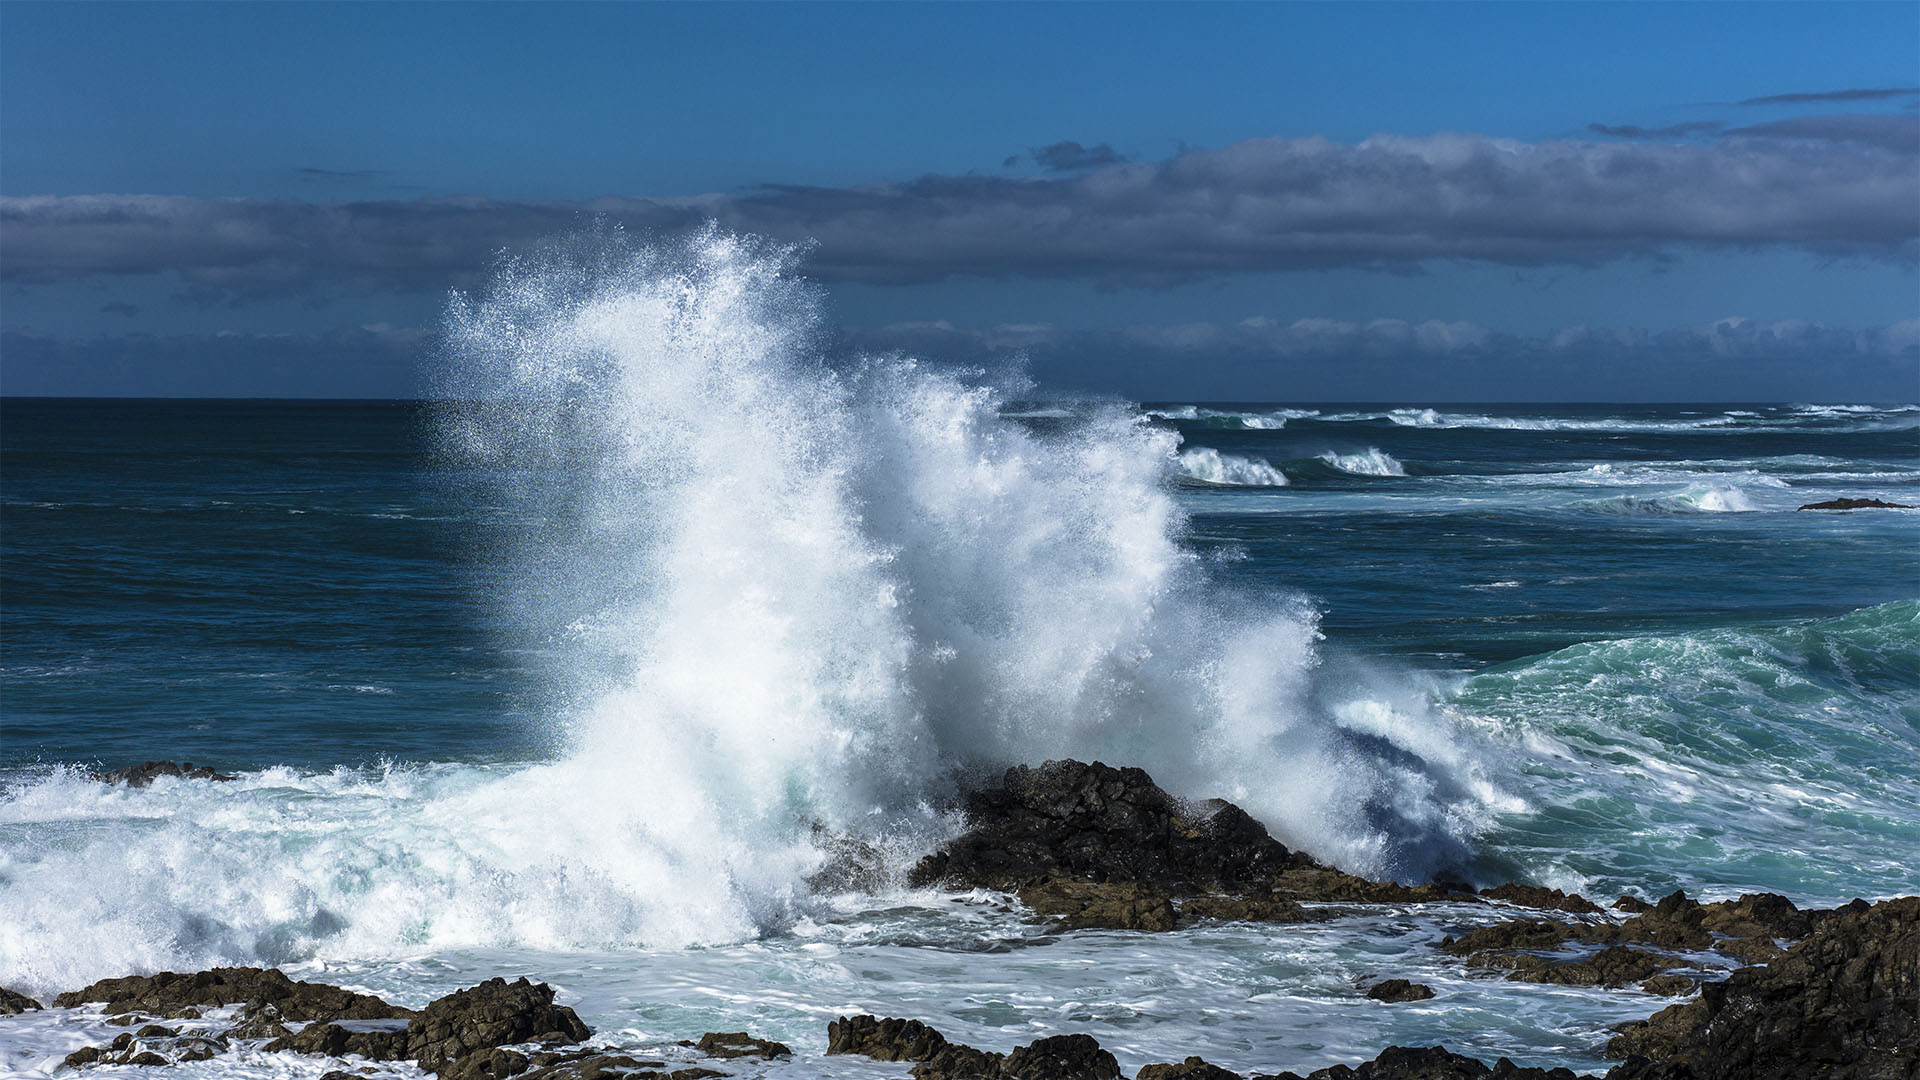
(1210, 466)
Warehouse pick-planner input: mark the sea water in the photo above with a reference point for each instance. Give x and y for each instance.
(570, 675)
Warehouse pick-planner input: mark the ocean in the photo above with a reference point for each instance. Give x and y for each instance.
(570, 678)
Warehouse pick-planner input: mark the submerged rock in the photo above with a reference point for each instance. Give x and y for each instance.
(1059, 1057)
(173, 994)
(1398, 990)
(1856, 504)
(735, 1044)
(1840, 1004)
(148, 771)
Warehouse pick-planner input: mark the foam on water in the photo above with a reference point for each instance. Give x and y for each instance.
(1371, 462)
(895, 587)
(1210, 466)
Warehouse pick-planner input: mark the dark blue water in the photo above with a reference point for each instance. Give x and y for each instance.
(306, 582)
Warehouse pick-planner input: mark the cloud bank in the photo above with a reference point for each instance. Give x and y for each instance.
(1262, 204)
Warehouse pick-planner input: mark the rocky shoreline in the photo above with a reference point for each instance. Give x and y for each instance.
(1829, 993)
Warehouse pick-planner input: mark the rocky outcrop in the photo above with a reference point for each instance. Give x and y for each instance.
(1193, 1068)
(153, 1045)
(148, 771)
(1429, 1063)
(1535, 897)
(1856, 504)
(1059, 1057)
(12, 1003)
(886, 1039)
(1641, 947)
(739, 1044)
(493, 1014)
(174, 994)
(1398, 990)
(381, 1040)
(1844, 1004)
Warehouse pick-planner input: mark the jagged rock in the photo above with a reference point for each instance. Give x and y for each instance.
(124, 1050)
(1632, 905)
(1060, 1057)
(1191, 1069)
(492, 1014)
(1615, 965)
(1670, 985)
(1320, 884)
(1071, 820)
(1251, 908)
(1839, 1005)
(1399, 990)
(338, 1040)
(12, 1003)
(1429, 1063)
(1086, 905)
(734, 1044)
(259, 1020)
(148, 771)
(958, 1061)
(156, 1031)
(883, 1040)
(173, 994)
(593, 1066)
(1856, 504)
(492, 1063)
(1535, 897)
(198, 1047)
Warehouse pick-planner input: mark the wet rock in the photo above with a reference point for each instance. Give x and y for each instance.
(1535, 897)
(1430, 1063)
(375, 1043)
(156, 1031)
(83, 1057)
(148, 771)
(1191, 1069)
(1396, 990)
(198, 1048)
(1839, 1005)
(593, 1066)
(1072, 820)
(735, 1044)
(1670, 985)
(12, 1003)
(126, 1020)
(1856, 504)
(1631, 904)
(1061, 1057)
(1086, 905)
(1251, 908)
(259, 1020)
(173, 994)
(883, 1040)
(492, 1063)
(147, 1057)
(1320, 884)
(1615, 965)
(958, 1061)
(492, 1014)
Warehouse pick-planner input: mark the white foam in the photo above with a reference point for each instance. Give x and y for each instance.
(1371, 462)
(1208, 465)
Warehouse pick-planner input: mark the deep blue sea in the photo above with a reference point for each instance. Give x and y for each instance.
(567, 680)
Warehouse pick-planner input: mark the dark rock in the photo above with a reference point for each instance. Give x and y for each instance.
(1399, 990)
(84, 1056)
(492, 1014)
(1251, 908)
(1320, 884)
(958, 1061)
(1071, 820)
(1433, 1063)
(1671, 985)
(126, 1020)
(883, 1040)
(337, 1040)
(1535, 897)
(341, 1074)
(1086, 905)
(1856, 504)
(1615, 965)
(259, 1020)
(1061, 1057)
(1633, 905)
(174, 994)
(588, 1065)
(198, 1048)
(1191, 1069)
(734, 1044)
(11, 1002)
(155, 1031)
(148, 771)
(1840, 1005)
(491, 1063)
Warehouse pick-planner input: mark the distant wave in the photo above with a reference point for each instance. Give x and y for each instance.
(1210, 466)
(1697, 499)
(1768, 419)
(1371, 462)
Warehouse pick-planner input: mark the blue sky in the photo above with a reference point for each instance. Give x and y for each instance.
(1119, 191)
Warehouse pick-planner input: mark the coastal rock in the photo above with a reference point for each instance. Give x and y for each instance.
(1615, 965)
(1670, 985)
(1839, 1005)
(883, 1040)
(1250, 908)
(375, 1043)
(124, 1050)
(1072, 820)
(1191, 1069)
(148, 771)
(12, 1003)
(958, 1061)
(1397, 990)
(493, 1014)
(173, 994)
(1061, 1057)
(1535, 897)
(1856, 504)
(1086, 905)
(735, 1044)
(594, 1066)
(1430, 1063)
(492, 1063)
